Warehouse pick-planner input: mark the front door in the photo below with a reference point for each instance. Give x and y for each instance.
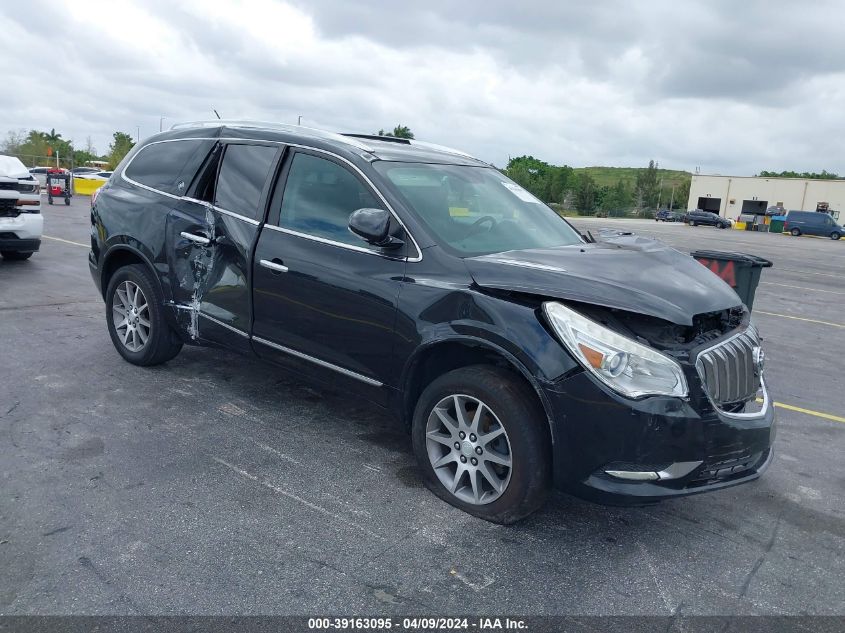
(213, 232)
(324, 300)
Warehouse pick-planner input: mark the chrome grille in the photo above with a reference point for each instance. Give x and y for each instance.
(728, 369)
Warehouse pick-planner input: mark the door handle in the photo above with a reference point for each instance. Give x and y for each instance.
(275, 265)
(198, 239)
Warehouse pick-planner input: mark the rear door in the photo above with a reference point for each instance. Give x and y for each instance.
(212, 235)
(325, 301)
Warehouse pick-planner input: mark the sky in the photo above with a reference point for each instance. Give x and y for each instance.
(722, 86)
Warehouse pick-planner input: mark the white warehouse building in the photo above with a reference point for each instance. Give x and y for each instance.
(729, 196)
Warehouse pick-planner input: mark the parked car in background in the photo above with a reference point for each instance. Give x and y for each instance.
(78, 171)
(424, 280)
(41, 174)
(665, 215)
(94, 175)
(812, 223)
(21, 223)
(706, 218)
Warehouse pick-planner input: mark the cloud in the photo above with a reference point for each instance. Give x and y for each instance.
(730, 87)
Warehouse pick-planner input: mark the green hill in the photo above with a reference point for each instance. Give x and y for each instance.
(609, 176)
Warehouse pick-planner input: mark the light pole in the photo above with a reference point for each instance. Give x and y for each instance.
(299, 120)
(160, 123)
(137, 133)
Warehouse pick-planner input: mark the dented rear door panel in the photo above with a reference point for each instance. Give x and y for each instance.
(211, 282)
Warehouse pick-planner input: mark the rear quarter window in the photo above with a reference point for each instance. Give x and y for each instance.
(168, 166)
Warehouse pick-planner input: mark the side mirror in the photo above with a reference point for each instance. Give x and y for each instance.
(373, 226)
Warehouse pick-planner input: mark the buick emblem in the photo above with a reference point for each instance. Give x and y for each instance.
(759, 358)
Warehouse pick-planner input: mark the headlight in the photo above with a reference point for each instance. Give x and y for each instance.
(622, 364)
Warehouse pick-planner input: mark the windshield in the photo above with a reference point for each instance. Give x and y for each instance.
(477, 210)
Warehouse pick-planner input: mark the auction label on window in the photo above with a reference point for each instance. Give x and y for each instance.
(519, 192)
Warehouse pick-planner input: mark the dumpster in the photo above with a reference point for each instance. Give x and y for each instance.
(740, 271)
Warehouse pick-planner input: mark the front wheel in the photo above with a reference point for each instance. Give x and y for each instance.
(481, 440)
(693, 223)
(835, 235)
(135, 317)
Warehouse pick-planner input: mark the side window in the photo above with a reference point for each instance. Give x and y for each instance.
(320, 195)
(242, 177)
(159, 165)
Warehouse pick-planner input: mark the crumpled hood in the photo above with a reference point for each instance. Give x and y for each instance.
(11, 167)
(630, 273)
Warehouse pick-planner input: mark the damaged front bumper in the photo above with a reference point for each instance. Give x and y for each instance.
(618, 451)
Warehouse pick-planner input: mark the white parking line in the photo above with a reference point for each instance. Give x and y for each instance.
(832, 292)
(58, 239)
(292, 496)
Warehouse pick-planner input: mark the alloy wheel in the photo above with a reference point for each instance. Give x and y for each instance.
(131, 316)
(469, 449)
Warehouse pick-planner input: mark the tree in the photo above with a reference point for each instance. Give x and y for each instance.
(119, 148)
(52, 137)
(647, 187)
(13, 141)
(400, 131)
(823, 175)
(617, 199)
(682, 194)
(585, 193)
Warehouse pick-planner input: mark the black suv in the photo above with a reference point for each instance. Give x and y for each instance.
(707, 218)
(519, 354)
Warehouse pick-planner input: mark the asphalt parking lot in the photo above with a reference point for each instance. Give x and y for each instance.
(215, 484)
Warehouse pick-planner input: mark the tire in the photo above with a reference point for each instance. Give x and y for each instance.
(15, 256)
(693, 223)
(795, 232)
(722, 226)
(67, 202)
(160, 344)
(510, 405)
(50, 200)
(835, 235)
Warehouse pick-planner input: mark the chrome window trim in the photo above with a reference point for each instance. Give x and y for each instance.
(225, 325)
(326, 240)
(417, 258)
(232, 214)
(342, 370)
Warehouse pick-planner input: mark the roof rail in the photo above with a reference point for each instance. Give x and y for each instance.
(380, 137)
(283, 127)
(442, 148)
(406, 141)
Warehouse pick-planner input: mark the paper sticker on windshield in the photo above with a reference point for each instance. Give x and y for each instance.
(520, 193)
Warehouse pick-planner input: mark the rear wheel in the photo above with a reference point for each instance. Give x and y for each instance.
(835, 235)
(67, 202)
(135, 317)
(796, 232)
(693, 223)
(14, 256)
(481, 441)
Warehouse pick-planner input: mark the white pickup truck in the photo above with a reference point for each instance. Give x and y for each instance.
(21, 223)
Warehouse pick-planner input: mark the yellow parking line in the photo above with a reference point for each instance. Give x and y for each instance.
(797, 318)
(58, 239)
(818, 414)
(772, 283)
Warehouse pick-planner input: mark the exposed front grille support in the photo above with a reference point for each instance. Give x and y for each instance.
(731, 370)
